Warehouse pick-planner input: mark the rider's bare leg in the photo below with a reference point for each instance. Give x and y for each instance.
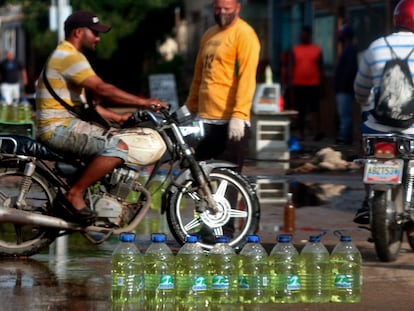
(97, 168)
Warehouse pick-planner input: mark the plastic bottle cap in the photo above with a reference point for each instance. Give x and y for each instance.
(253, 238)
(314, 238)
(192, 239)
(284, 238)
(222, 239)
(127, 237)
(346, 238)
(158, 238)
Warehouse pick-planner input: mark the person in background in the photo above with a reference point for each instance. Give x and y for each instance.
(345, 72)
(12, 73)
(224, 83)
(70, 74)
(369, 76)
(306, 81)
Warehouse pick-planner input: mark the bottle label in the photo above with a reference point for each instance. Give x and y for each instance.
(252, 281)
(243, 282)
(293, 282)
(220, 282)
(199, 284)
(166, 282)
(342, 281)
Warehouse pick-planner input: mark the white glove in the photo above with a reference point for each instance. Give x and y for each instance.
(236, 129)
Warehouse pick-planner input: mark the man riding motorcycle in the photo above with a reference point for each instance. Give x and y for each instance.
(369, 76)
(69, 74)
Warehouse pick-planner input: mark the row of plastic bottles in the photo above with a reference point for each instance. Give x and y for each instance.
(314, 275)
(17, 112)
(193, 278)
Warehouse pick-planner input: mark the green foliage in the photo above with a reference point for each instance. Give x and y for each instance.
(125, 53)
(124, 16)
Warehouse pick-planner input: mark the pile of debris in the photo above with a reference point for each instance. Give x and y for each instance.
(326, 159)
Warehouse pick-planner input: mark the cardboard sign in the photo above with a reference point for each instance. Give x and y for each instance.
(163, 86)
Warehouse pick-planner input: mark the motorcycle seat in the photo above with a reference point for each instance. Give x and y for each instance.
(24, 145)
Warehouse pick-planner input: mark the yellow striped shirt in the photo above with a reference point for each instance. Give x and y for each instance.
(66, 70)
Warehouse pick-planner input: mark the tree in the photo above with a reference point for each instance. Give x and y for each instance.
(126, 54)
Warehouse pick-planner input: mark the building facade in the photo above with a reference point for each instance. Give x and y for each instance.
(278, 22)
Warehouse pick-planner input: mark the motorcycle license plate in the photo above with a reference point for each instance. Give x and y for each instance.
(387, 172)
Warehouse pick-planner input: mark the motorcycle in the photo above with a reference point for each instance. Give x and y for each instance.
(389, 173)
(205, 198)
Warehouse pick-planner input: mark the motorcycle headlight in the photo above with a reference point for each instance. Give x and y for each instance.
(196, 129)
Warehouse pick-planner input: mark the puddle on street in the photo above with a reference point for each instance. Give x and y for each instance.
(73, 274)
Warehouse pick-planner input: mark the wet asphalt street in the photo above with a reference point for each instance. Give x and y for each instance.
(75, 275)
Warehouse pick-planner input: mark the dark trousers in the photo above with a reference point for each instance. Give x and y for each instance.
(216, 145)
(307, 102)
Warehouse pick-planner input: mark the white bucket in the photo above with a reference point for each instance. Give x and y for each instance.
(266, 99)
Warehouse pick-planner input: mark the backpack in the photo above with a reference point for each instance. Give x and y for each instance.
(394, 99)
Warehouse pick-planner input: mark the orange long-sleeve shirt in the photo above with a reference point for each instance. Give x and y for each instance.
(225, 73)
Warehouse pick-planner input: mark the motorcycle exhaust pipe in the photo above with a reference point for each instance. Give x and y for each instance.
(16, 216)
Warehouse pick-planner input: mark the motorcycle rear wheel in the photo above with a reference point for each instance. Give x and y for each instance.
(237, 217)
(24, 240)
(387, 233)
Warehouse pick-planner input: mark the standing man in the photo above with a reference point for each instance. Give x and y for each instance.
(11, 71)
(345, 72)
(306, 81)
(69, 74)
(224, 83)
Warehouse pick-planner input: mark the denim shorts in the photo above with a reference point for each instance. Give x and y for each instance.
(85, 141)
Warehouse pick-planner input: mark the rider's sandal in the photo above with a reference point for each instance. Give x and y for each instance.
(83, 216)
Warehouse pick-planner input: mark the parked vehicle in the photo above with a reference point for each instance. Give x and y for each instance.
(389, 172)
(205, 198)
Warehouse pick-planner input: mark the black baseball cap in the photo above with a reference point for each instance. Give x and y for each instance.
(88, 19)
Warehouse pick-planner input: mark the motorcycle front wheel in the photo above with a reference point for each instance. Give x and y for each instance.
(24, 240)
(387, 232)
(237, 217)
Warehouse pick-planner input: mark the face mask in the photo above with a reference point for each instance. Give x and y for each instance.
(223, 20)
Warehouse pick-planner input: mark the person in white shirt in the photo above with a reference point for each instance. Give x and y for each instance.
(369, 75)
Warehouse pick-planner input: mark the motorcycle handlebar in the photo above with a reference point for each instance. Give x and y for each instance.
(135, 118)
(142, 116)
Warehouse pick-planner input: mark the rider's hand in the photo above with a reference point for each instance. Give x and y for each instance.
(236, 129)
(122, 118)
(156, 105)
(112, 116)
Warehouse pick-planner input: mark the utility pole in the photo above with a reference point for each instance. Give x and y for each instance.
(58, 12)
